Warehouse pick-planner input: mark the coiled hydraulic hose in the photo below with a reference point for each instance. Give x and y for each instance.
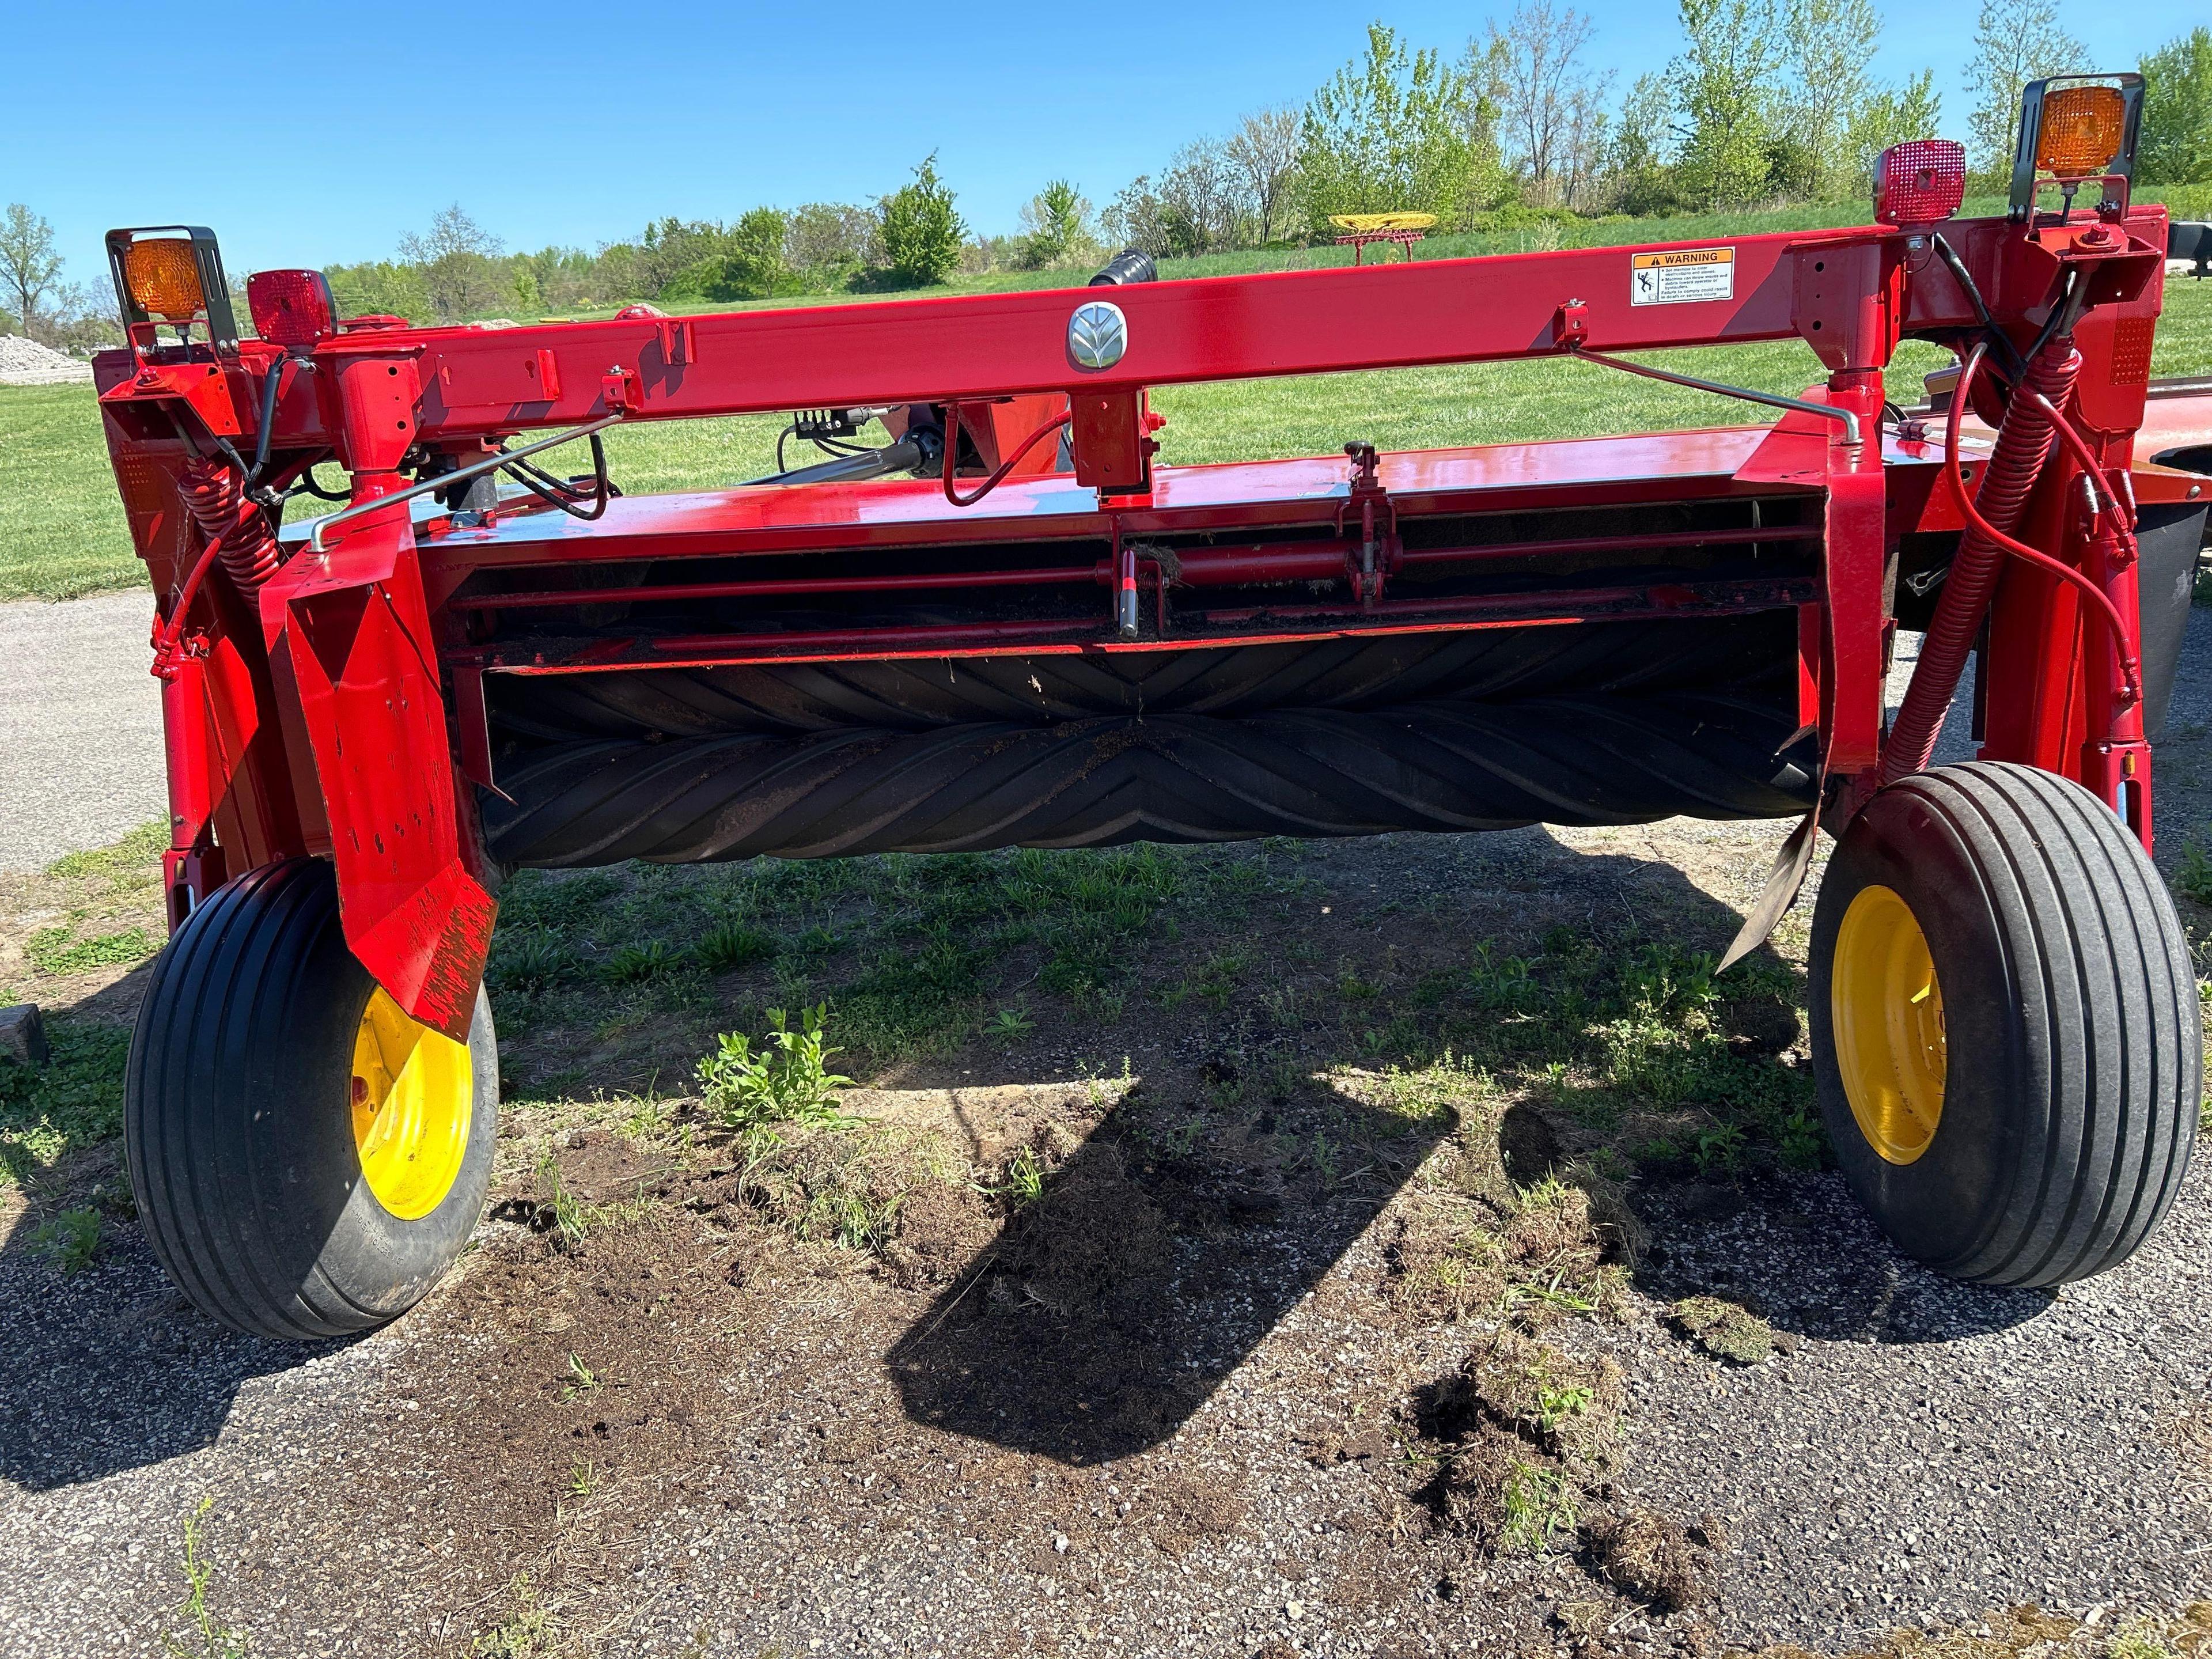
(2024, 440)
(215, 495)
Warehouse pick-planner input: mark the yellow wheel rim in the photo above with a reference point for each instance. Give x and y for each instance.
(1888, 1015)
(413, 1092)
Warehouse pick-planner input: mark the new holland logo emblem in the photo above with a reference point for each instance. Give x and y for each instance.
(1098, 335)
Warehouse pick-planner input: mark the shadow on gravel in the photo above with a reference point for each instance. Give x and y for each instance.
(1798, 1251)
(111, 1369)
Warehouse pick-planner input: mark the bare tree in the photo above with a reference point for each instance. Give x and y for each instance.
(2015, 41)
(1198, 194)
(1543, 91)
(28, 264)
(1263, 153)
(456, 259)
(1584, 144)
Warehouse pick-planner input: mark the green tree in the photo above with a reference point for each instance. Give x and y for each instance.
(2176, 146)
(1397, 131)
(831, 242)
(1893, 115)
(1829, 43)
(379, 288)
(2015, 41)
(28, 264)
(754, 268)
(1640, 158)
(1056, 226)
(921, 231)
(1726, 80)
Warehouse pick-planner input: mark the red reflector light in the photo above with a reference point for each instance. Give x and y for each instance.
(1920, 182)
(291, 308)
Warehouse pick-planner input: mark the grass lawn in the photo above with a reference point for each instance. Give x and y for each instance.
(61, 533)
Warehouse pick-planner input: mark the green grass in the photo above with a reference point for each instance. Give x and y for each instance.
(61, 531)
(909, 952)
(74, 1100)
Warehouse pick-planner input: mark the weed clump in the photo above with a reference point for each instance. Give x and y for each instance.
(71, 1240)
(1521, 1432)
(1542, 1260)
(1723, 1329)
(527, 1631)
(785, 1079)
(732, 944)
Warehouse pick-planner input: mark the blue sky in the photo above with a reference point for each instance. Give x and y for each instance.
(309, 136)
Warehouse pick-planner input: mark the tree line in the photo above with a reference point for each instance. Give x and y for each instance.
(1767, 102)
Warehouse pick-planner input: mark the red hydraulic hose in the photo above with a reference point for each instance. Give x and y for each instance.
(2058, 568)
(2016, 460)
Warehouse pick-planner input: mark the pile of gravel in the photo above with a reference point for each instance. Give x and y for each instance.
(26, 363)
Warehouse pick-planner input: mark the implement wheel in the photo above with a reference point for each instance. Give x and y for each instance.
(308, 1159)
(2005, 1027)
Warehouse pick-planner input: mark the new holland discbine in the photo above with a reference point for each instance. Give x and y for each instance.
(1008, 624)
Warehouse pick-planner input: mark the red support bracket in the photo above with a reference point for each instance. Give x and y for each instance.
(1113, 441)
(1571, 325)
(1370, 560)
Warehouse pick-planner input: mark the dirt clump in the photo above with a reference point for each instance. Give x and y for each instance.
(942, 1227)
(1092, 1237)
(1653, 1557)
(1518, 1433)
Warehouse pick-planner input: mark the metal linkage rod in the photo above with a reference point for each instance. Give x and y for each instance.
(1771, 399)
(315, 539)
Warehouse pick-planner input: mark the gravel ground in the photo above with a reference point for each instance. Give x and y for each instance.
(80, 726)
(26, 363)
(1921, 1452)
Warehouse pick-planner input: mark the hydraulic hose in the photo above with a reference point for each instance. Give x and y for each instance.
(236, 526)
(2023, 445)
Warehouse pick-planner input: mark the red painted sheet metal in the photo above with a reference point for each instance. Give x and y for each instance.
(356, 632)
(2173, 418)
(1240, 494)
(982, 346)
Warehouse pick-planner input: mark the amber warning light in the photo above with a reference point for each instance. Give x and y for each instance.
(2075, 130)
(2082, 131)
(172, 275)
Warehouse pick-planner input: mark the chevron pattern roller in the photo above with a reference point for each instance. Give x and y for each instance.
(1587, 758)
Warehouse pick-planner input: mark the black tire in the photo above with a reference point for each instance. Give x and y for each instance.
(2071, 1035)
(237, 1121)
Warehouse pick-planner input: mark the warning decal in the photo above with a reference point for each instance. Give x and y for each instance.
(1687, 274)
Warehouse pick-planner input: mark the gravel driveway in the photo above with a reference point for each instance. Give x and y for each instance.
(80, 726)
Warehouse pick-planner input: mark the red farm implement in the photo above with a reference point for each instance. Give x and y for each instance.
(1010, 625)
